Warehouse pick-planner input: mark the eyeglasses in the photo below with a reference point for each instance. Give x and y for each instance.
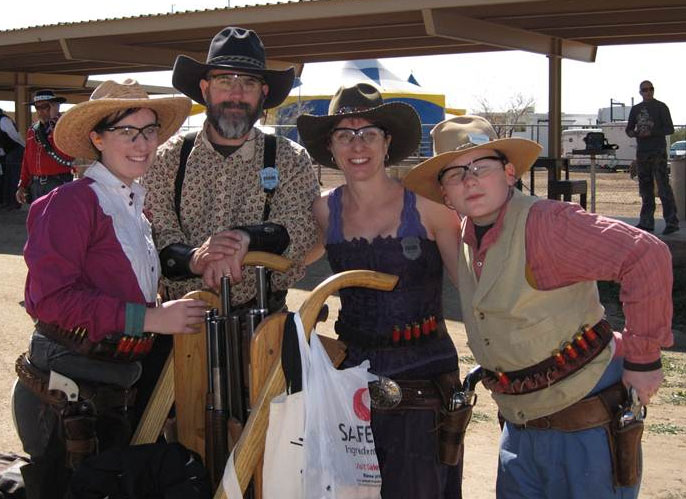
(246, 83)
(41, 107)
(369, 134)
(130, 132)
(480, 167)
(647, 89)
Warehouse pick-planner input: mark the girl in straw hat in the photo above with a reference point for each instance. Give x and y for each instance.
(527, 272)
(92, 284)
(372, 223)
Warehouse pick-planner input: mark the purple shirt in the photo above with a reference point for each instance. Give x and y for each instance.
(79, 275)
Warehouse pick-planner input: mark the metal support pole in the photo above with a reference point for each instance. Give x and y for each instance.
(555, 100)
(22, 112)
(592, 182)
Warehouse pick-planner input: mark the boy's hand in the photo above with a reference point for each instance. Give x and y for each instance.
(646, 383)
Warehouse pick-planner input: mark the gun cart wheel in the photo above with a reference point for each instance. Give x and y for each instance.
(184, 377)
(250, 447)
(265, 348)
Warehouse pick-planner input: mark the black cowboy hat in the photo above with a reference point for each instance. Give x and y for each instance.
(234, 49)
(400, 120)
(46, 96)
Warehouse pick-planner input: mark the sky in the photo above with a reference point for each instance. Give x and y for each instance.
(464, 79)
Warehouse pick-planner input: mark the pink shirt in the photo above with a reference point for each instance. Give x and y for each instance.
(565, 245)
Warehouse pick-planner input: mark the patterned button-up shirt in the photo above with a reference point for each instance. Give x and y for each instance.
(220, 193)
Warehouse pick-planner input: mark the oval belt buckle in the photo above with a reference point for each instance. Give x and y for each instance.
(385, 393)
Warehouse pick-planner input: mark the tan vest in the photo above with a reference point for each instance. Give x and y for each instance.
(511, 326)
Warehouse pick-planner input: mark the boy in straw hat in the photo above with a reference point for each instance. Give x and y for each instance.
(92, 284)
(526, 274)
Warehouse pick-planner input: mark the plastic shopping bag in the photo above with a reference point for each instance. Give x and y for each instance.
(283, 452)
(340, 458)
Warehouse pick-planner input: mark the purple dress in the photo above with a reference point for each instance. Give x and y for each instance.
(369, 322)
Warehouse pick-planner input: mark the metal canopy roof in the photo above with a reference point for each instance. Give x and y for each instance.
(62, 56)
(325, 30)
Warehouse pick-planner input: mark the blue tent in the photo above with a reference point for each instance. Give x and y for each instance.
(315, 100)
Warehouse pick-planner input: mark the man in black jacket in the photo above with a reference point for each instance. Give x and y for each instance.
(649, 122)
(11, 154)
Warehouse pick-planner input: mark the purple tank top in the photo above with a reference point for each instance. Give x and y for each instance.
(368, 317)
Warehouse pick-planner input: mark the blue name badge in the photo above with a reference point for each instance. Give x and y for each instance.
(269, 178)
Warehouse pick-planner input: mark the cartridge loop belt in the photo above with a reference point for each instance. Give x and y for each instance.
(564, 361)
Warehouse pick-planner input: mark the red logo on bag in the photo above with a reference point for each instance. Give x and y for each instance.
(361, 404)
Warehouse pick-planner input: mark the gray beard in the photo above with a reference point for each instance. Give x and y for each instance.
(231, 126)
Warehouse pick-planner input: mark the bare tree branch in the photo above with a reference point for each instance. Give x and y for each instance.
(505, 121)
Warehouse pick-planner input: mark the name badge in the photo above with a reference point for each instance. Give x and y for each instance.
(269, 178)
(412, 248)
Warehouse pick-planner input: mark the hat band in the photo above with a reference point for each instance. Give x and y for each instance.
(236, 59)
(44, 97)
(467, 145)
(352, 109)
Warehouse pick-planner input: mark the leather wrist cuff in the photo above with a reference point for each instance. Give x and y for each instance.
(175, 261)
(632, 366)
(135, 319)
(269, 237)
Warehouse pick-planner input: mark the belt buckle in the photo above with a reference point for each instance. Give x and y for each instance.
(385, 393)
(42, 179)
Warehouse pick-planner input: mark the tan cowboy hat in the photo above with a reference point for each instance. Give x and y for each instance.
(73, 128)
(457, 136)
(400, 120)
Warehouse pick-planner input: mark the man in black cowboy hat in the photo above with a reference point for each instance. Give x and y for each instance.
(44, 166)
(229, 188)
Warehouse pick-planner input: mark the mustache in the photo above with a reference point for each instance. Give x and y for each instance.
(244, 106)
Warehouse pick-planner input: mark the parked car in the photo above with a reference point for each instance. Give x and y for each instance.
(677, 150)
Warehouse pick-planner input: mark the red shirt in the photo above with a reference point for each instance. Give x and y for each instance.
(565, 245)
(37, 162)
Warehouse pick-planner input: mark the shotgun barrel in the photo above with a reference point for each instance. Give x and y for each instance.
(216, 416)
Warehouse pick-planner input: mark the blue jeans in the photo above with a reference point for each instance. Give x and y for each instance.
(652, 169)
(553, 464)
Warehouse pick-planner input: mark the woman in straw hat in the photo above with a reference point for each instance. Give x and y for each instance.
(371, 222)
(92, 284)
(527, 272)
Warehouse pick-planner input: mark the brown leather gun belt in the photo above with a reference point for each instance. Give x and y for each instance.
(591, 412)
(103, 397)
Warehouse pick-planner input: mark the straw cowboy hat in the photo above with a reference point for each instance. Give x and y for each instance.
(234, 49)
(400, 120)
(73, 128)
(457, 136)
(46, 96)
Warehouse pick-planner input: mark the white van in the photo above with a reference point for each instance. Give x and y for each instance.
(620, 158)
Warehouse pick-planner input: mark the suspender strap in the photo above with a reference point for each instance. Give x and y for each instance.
(269, 161)
(186, 148)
